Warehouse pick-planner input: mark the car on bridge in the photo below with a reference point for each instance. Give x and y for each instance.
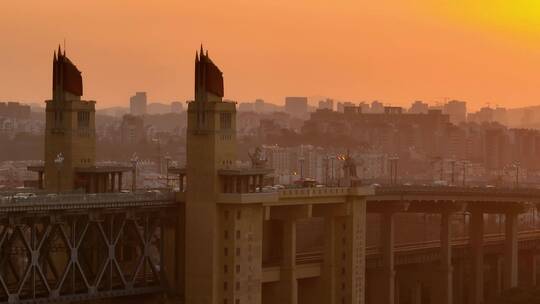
(440, 183)
(24, 195)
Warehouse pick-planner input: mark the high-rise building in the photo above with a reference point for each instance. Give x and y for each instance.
(455, 143)
(246, 107)
(393, 110)
(377, 107)
(297, 106)
(364, 107)
(137, 104)
(279, 159)
(496, 149)
(259, 105)
(524, 145)
(419, 107)
(500, 115)
(351, 110)
(14, 110)
(176, 107)
(528, 117)
(485, 114)
(132, 129)
(342, 105)
(327, 104)
(457, 110)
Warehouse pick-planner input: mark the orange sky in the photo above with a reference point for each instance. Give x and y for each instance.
(396, 51)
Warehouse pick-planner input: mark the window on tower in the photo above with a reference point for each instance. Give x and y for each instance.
(83, 119)
(225, 121)
(58, 118)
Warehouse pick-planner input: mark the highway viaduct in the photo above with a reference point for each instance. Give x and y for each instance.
(470, 266)
(115, 246)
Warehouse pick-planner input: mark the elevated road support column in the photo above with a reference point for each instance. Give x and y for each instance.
(494, 282)
(343, 268)
(477, 245)
(528, 268)
(329, 267)
(289, 215)
(416, 294)
(383, 285)
(173, 251)
(445, 289)
(510, 278)
(459, 282)
(441, 279)
(409, 286)
(289, 284)
(352, 253)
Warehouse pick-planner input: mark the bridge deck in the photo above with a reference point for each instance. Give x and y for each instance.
(34, 225)
(87, 201)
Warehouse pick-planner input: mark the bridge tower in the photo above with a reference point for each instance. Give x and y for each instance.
(211, 146)
(225, 210)
(69, 128)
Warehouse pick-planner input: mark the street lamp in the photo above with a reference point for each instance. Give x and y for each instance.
(465, 165)
(167, 161)
(332, 157)
(453, 163)
(159, 159)
(292, 177)
(438, 159)
(340, 172)
(516, 166)
(326, 169)
(301, 160)
(393, 169)
(59, 161)
(134, 161)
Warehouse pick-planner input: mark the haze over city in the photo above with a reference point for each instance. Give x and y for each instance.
(270, 152)
(393, 51)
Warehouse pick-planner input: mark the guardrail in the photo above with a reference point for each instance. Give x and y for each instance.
(384, 190)
(308, 192)
(87, 198)
(399, 189)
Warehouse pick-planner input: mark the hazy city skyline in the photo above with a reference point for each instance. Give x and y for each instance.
(485, 52)
(318, 153)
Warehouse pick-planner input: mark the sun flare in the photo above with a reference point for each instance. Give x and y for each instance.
(506, 15)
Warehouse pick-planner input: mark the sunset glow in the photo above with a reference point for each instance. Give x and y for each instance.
(270, 151)
(349, 50)
(511, 16)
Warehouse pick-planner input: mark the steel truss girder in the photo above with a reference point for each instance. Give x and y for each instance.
(78, 256)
